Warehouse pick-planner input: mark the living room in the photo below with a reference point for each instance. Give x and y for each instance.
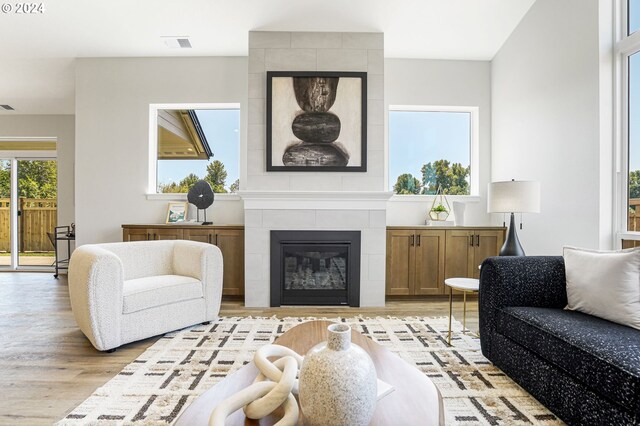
(543, 91)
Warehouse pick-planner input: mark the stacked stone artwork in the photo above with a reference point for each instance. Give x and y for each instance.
(316, 127)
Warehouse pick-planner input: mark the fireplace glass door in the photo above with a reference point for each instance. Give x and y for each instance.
(317, 267)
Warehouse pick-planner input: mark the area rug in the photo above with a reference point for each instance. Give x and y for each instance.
(168, 376)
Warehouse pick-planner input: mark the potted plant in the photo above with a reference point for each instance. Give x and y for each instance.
(440, 207)
(438, 212)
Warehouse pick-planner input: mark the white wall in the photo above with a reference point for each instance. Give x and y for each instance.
(442, 83)
(61, 127)
(545, 125)
(112, 133)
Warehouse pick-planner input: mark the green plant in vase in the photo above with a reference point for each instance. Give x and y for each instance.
(438, 210)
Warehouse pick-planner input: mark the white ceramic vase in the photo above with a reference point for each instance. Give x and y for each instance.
(338, 382)
(458, 212)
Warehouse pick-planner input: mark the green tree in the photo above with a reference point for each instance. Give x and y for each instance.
(634, 184)
(172, 188)
(5, 179)
(235, 186)
(36, 179)
(216, 176)
(451, 177)
(407, 184)
(189, 181)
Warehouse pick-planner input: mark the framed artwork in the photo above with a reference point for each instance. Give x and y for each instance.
(176, 212)
(316, 121)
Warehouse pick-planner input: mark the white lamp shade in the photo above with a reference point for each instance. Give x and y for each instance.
(514, 196)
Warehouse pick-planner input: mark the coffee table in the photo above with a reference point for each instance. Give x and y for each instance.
(415, 400)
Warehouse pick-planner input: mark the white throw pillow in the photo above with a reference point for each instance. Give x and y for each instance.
(604, 284)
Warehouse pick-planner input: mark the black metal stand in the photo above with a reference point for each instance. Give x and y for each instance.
(512, 245)
(62, 233)
(205, 217)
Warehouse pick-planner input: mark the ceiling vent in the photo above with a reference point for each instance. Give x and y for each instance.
(7, 107)
(177, 42)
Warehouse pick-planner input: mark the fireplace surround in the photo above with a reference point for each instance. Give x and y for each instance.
(315, 268)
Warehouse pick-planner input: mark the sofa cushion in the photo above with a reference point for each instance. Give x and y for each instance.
(604, 284)
(149, 292)
(603, 355)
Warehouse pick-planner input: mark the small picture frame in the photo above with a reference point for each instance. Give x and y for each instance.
(176, 212)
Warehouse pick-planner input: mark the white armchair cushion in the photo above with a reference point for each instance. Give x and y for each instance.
(149, 292)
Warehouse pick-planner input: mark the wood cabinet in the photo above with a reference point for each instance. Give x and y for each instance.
(230, 240)
(415, 262)
(419, 259)
(466, 249)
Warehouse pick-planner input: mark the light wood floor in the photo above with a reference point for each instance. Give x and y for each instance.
(47, 367)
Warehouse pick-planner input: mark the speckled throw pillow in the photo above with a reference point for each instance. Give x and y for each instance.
(604, 284)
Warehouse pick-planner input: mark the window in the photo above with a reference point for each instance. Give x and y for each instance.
(633, 130)
(431, 148)
(633, 16)
(193, 144)
(627, 51)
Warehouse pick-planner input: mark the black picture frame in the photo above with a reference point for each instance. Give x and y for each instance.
(278, 145)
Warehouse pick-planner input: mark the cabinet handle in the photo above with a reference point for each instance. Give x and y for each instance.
(209, 238)
(471, 240)
(148, 236)
(478, 240)
(418, 238)
(412, 242)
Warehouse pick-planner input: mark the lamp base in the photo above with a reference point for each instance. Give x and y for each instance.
(511, 246)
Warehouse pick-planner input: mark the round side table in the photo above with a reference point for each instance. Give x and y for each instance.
(465, 285)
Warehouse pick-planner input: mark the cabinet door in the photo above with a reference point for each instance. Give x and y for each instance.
(136, 234)
(231, 244)
(459, 253)
(429, 263)
(205, 235)
(166, 234)
(487, 244)
(400, 262)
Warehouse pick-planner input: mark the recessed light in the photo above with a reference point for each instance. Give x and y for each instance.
(177, 42)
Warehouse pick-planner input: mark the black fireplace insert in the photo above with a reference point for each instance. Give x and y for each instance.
(315, 268)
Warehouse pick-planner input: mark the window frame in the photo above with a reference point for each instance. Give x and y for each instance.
(474, 148)
(152, 178)
(625, 46)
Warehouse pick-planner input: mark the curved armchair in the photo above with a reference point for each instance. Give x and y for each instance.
(123, 292)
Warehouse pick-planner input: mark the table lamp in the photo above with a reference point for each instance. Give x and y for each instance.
(514, 196)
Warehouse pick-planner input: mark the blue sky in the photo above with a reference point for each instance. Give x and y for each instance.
(222, 129)
(634, 15)
(418, 137)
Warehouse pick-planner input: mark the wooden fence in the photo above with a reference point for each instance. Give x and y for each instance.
(38, 217)
(634, 215)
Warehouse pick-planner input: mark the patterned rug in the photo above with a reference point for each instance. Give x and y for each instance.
(168, 376)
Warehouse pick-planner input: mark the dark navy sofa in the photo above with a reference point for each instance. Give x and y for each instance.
(586, 370)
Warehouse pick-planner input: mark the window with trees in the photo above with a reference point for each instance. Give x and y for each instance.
(196, 144)
(628, 49)
(431, 148)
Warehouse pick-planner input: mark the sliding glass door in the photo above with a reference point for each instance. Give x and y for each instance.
(37, 211)
(28, 212)
(5, 213)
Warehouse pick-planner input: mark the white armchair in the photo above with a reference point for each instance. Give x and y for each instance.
(123, 292)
